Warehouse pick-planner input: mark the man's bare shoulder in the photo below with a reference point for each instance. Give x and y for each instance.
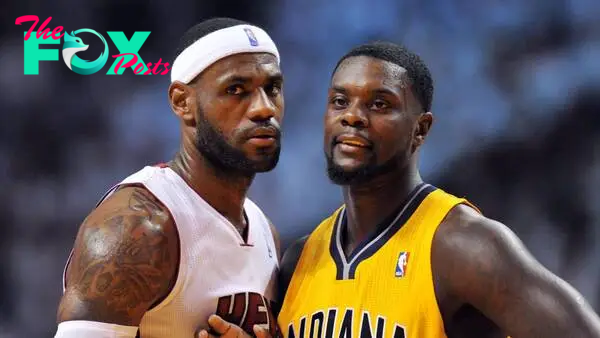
(124, 259)
(481, 262)
(463, 224)
(468, 244)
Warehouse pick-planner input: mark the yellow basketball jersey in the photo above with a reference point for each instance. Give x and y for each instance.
(383, 289)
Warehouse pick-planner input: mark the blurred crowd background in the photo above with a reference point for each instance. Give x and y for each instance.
(516, 102)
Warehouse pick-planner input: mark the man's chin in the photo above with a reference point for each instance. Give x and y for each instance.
(265, 167)
(340, 175)
(265, 164)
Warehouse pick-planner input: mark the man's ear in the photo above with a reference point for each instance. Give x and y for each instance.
(423, 126)
(183, 102)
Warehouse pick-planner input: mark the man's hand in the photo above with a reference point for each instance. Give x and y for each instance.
(226, 329)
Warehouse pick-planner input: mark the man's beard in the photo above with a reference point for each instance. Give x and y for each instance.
(361, 174)
(211, 143)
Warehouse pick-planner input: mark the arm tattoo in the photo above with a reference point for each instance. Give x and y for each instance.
(140, 201)
(122, 262)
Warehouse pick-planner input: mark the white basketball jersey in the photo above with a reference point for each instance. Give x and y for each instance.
(218, 272)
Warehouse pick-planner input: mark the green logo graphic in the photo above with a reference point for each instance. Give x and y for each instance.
(128, 56)
(74, 44)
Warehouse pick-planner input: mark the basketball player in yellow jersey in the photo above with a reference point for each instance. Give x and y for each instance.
(401, 258)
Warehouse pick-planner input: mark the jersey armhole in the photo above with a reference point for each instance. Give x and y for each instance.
(106, 195)
(180, 273)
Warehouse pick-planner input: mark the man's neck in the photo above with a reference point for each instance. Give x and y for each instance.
(224, 192)
(370, 203)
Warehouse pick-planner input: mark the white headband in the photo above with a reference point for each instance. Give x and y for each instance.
(217, 45)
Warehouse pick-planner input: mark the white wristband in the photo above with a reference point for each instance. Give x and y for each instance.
(89, 329)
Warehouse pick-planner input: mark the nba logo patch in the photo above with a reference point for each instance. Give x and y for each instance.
(251, 37)
(402, 264)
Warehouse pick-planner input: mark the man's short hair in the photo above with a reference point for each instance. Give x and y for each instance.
(416, 69)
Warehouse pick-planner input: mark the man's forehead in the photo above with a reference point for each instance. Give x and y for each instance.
(364, 70)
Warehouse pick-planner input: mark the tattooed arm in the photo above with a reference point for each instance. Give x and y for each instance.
(484, 265)
(125, 259)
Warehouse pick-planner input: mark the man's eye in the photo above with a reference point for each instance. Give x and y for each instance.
(235, 90)
(379, 105)
(339, 102)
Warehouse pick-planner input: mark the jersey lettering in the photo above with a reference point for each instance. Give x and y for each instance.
(316, 324)
(246, 310)
(331, 314)
(366, 330)
(346, 327)
(399, 332)
(368, 327)
(292, 333)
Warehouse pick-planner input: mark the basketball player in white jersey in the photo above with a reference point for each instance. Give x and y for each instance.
(172, 244)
